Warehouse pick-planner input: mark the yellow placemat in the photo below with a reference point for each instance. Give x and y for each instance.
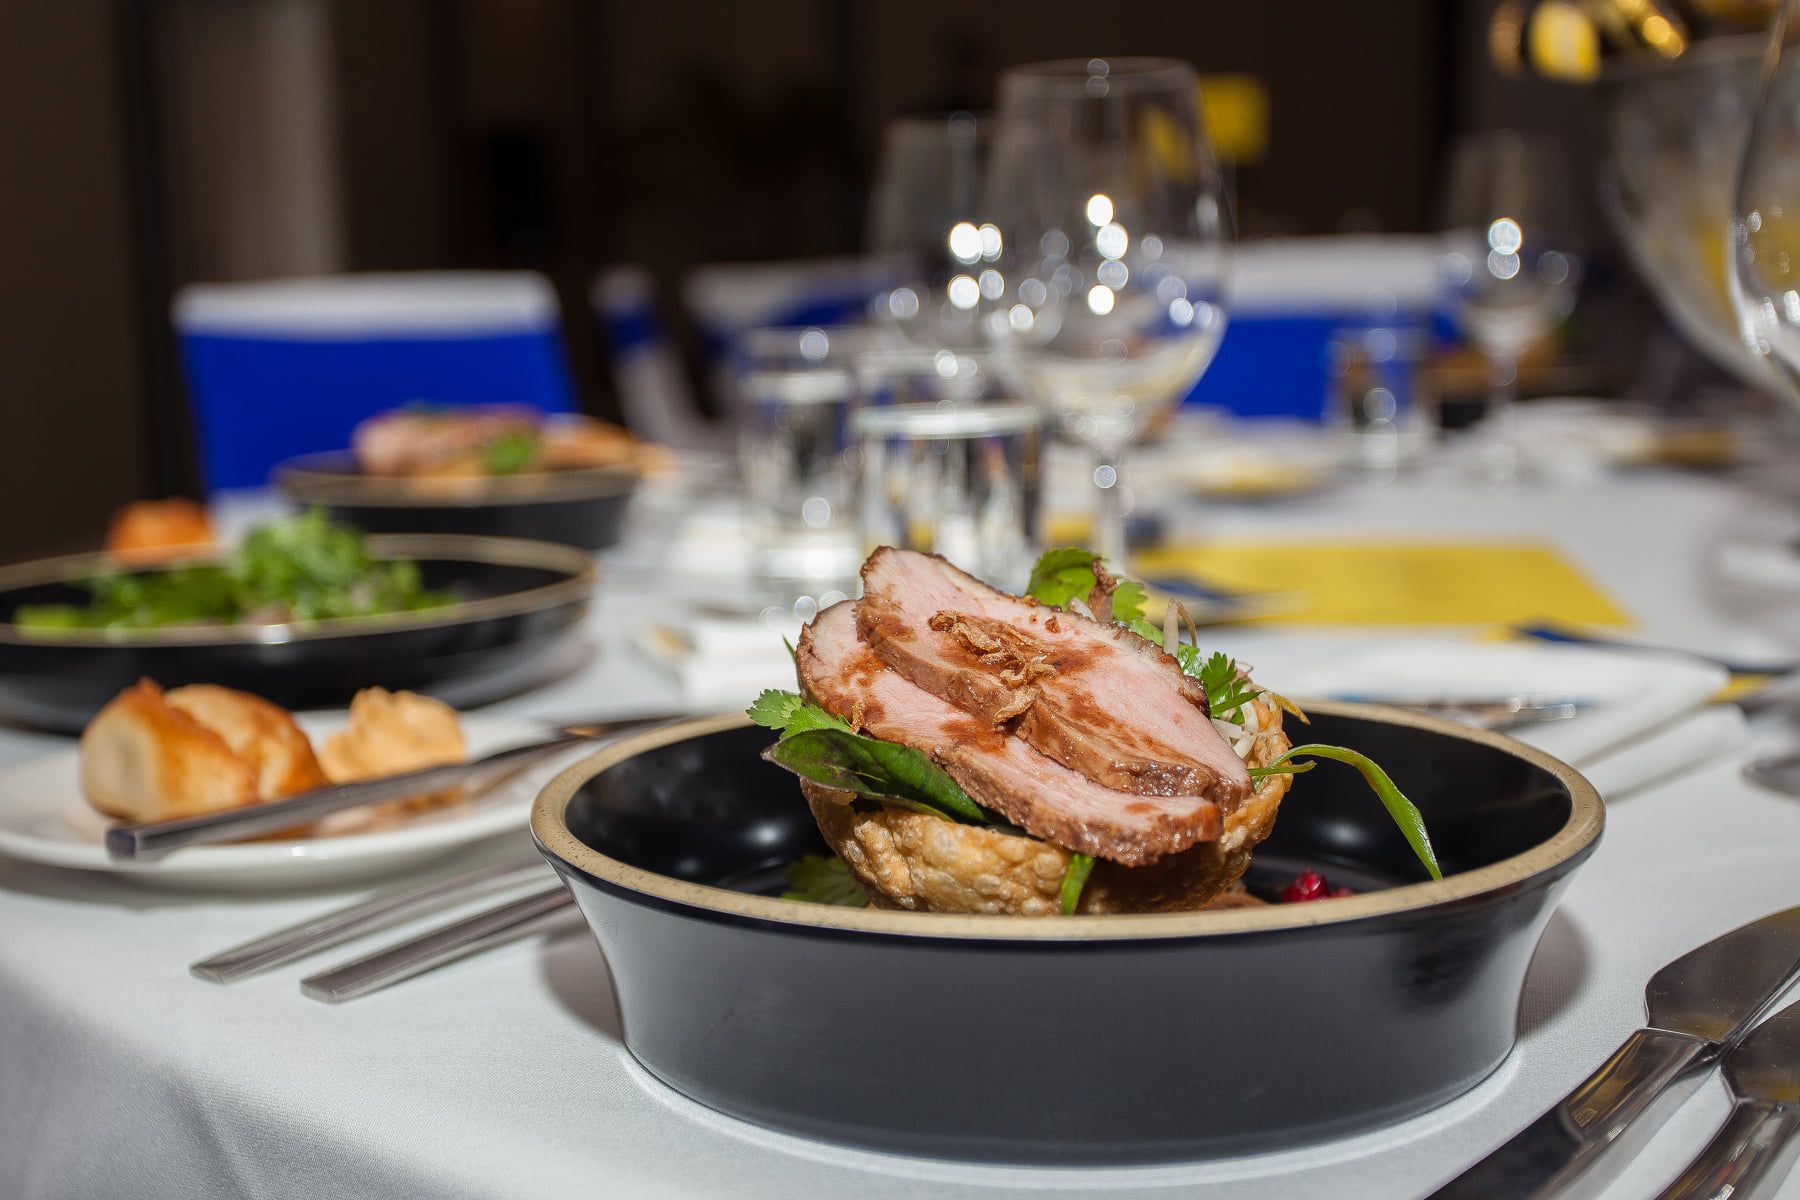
(1396, 583)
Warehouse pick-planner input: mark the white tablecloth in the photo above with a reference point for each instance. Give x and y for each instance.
(505, 1076)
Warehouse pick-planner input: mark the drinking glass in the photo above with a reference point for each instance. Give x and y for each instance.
(927, 227)
(1107, 299)
(797, 390)
(957, 480)
(1764, 237)
(1510, 263)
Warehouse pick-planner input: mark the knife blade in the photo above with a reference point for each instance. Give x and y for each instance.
(149, 842)
(1754, 1149)
(1699, 1007)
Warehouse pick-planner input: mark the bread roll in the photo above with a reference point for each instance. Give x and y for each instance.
(147, 531)
(913, 860)
(390, 733)
(151, 756)
(262, 734)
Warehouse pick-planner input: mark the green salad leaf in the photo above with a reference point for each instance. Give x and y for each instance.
(302, 568)
(876, 770)
(1075, 877)
(824, 879)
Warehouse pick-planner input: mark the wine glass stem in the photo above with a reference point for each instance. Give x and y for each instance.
(1109, 502)
(1503, 398)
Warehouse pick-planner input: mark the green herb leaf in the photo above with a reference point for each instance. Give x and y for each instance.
(1061, 575)
(1406, 815)
(824, 879)
(1067, 573)
(1227, 691)
(1128, 600)
(511, 453)
(773, 709)
(1075, 877)
(789, 713)
(878, 770)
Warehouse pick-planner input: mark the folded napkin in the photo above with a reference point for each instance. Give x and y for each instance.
(722, 662)
(1646, 716)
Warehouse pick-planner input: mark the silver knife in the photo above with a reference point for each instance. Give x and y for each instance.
(146, 843)
(1700, 1006)
(1486, 712)
(1754, 1149)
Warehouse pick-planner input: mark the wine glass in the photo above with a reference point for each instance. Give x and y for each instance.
(1510, 264)
(927, 228)
(1763, 258)
(1107, 300)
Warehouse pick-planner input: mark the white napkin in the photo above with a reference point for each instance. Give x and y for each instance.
(721, 662)
(1647, 719)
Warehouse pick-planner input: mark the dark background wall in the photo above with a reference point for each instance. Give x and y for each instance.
(148, 143)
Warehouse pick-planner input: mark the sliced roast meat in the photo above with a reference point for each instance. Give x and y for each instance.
(1090, 694)
(998, 770)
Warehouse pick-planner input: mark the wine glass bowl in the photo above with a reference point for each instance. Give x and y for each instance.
(1511, 264)
(1108, 297)
(1763, 246)
(927, 228)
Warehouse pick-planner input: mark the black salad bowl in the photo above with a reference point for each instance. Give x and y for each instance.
(1099, 1039)
(518, 602)
(582, 507)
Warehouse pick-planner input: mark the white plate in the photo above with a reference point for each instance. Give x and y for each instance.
(44, 819)
(1632, 693)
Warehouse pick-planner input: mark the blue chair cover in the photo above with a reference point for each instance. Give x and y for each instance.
(289, 367)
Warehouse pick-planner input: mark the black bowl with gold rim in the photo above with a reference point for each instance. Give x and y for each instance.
(518, 601)
(583, 506)
(1072, 1039)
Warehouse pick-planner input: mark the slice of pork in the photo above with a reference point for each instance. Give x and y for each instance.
(1090, 694)
(998, 770)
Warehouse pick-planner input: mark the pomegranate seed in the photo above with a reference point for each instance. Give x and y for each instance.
(1308, 885)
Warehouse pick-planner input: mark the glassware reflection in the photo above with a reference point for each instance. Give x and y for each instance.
(1510, 265)
(1108, 299)
(1764, 241)
(927, 226)
(798, 391)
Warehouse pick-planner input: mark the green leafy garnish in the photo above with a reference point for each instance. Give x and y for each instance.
(877, 770)
(1281, 769)
(1067, 573)
(789, 713)
(1406, 815)
(303, 568)
(1227, 691)
(824, 879)
(1061, 575)
(1075, 877)
(510, 453)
